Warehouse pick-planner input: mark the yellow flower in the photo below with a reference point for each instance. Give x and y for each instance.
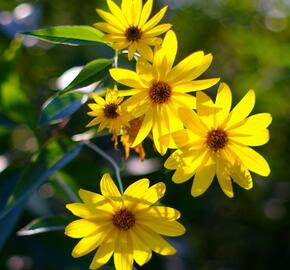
(126, 225)
(109, 113)
(159, 89)
(216, 142)
(129, 27)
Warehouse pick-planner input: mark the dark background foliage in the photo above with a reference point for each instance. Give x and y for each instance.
(250, 43)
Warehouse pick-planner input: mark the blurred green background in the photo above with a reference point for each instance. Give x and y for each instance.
(250, 42)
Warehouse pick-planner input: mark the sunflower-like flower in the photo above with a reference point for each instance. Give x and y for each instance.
(127, 225)
(108, 113)
(159, 89)
(216, 142)
(130, 28)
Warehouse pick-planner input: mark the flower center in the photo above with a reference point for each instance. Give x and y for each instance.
(160, 92)
(217, 139)
(124, 220)
(110, 111)
(133, 33)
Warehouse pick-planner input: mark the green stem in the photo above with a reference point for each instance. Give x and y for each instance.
(116, 58)
(109, 159)
(66, 188)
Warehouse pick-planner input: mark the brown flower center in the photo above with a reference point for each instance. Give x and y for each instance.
(160, 92)
(124, 220)
(133, 33)
(110, 111)
(217, 139)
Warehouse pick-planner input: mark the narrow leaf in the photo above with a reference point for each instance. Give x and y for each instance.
(60, 107)
(69, 35)
(91, 73)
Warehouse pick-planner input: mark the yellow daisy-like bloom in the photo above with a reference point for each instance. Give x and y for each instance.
(216, 142)
(130, 28)
(126, 225)
(108, 113)
(159, 89)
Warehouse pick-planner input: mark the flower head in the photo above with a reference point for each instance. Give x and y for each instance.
(108, 112)
(127, 225)
(159, 89)
(129, 27)
(216, 142)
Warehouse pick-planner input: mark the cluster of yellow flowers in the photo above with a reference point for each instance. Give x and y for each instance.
(210, 139)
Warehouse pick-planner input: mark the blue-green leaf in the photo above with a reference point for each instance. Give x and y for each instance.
(69, 35)
(60, 107)
(44, 225)
(52, 158)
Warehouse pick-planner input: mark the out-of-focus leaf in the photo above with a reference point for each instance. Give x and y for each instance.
(43, 225)
(69, 35)
(14, 103)
(6, 122)
(8, 180)
(60, 107)
(92, 72)
(52, 157)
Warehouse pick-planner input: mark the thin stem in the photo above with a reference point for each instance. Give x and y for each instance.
(109, 159)
(66, 188)
(116, 58)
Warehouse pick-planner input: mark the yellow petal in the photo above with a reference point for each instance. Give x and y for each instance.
(182, 174)
(86, 245)
(144, 129)
(137, 189)
(108, 187)
(141, 252)
(223, 103)
(80, 228)
(205, 110)
(89, 197)
(242, 109)
(157, 31)
(127, 10)
(251, 125)
(123, 255)
(126, 77)
(164, 227)
(173, 161)
(131, 50)
(192, 122)
(257, 139)
(184, 69)
(169, 47)
(195, 85)
(158, 212)
(108, 28)
(203, 177)
(136, 11)
(154, 240)
(111, 19)
(103, 255)
(81, 210)
(184, 100)
(144, 69)
(180, 137)
(224, 177)
(154, 193)
(155, 20)
(116, 11)
(241, 175)
(251, 159)
(145, 51)
(145, 14)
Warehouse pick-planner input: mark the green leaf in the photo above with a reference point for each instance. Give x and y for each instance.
(69, 35)
(60, 107)
(52, 158)
(14, 103)
(91, 73)
(44, 225)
